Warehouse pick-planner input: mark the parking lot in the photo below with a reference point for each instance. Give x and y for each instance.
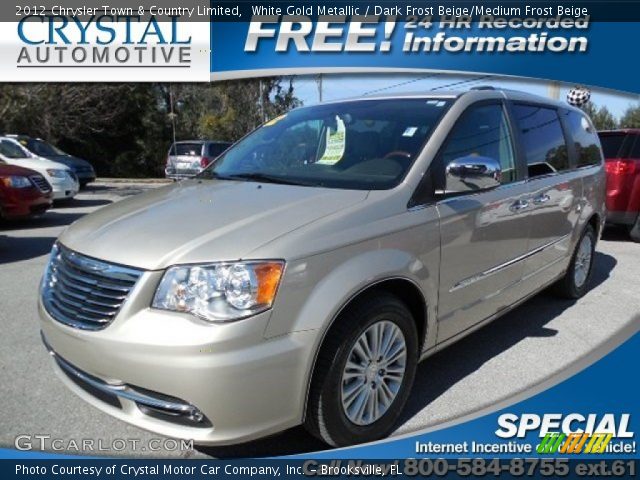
(521, 350)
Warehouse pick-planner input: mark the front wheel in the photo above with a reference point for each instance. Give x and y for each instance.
(364, 372)
(575, 282)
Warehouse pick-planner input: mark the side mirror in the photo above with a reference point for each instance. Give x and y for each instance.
(472, 174)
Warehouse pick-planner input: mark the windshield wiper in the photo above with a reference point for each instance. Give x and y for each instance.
(211, 175)
(266, 178)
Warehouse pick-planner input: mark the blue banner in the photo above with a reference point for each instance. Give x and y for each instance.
(385, 43)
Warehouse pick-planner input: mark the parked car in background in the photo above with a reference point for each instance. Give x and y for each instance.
(81, 168)
(622, 164)
(62, 180)
(188, 158)
(303, 275)
(23, 192)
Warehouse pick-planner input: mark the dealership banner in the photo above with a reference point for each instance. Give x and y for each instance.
(580, 419)
(222, 40)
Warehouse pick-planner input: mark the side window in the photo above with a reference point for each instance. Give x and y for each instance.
(482, 131)
(216, 149)
(616, 145)
(635, 149)
(585, 139)
(542, 139)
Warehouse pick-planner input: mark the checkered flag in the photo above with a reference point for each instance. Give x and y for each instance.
(578, 96)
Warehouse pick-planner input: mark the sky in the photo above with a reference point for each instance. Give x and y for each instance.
(336, 87)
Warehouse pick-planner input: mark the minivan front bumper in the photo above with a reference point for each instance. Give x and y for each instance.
(215, 384)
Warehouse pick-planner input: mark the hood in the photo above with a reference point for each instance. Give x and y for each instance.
(201, 221)
(36, 163)
(70, 161)
(6, 170)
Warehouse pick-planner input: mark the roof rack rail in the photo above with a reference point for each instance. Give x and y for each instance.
(500, 89)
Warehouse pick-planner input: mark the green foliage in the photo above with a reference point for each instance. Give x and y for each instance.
(126, 129)
(601, 117)
(631, 117)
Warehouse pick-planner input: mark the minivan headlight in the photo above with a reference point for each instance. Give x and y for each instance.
(220, 292)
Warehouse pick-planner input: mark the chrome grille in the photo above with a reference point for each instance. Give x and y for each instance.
(83, 292)
(41, 183)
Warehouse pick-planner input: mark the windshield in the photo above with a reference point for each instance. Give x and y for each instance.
(365, 145)
(11, 150)
(43, 149)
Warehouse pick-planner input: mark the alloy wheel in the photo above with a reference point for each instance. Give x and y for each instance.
(373, 373)
(583, 261)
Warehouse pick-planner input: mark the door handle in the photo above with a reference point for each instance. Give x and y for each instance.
(519, 205)
(541, 199)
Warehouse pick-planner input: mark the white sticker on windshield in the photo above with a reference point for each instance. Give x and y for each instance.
(410, 132)
(336, 139)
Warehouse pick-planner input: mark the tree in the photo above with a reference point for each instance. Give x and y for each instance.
(126, 130)
(631, 117)
(229, 110)
(601, 117)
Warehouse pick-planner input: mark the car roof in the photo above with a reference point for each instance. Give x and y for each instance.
(633, 131)
(13, 138)
(200, 141)
(490, 92)
(16, 136)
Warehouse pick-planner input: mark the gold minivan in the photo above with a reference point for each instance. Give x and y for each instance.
(301, 277)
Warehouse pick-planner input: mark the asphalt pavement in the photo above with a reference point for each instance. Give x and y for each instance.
(542, 337)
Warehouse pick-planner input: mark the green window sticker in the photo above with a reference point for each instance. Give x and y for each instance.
(335, 144)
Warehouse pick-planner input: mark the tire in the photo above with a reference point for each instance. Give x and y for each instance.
(573, 286)
(634, 231)
(327, 416)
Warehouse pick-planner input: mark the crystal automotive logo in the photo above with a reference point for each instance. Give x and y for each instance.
(102, 41)
(573, 433)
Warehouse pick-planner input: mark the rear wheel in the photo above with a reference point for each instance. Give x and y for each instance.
(575, 282)
(634, 231)
(364, 372)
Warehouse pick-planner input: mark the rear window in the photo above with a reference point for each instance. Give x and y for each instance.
(187, 149)
(216, 149)
(620, 145)
(613, 145)
(635, 149)
(542, 138)
(585, 139)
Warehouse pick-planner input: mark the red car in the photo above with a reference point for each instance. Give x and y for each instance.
(622, 154)
(23, 193)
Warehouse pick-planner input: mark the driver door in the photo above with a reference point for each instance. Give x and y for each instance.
(484, 234)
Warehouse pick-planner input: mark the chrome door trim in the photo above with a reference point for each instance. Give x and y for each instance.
(493, 270)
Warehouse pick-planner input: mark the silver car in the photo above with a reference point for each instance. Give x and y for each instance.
(188, 158)
(302, 277)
